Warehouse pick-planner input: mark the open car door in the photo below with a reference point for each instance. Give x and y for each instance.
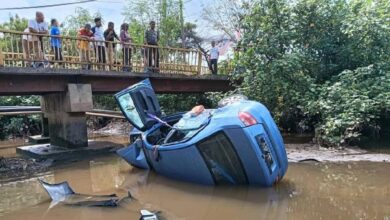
(138, 103)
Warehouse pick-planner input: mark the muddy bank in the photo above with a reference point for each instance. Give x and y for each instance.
(112, 127)
(17, 167)
(297, 152)
(117, 131)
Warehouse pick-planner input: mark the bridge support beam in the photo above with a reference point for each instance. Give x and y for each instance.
(66, 115)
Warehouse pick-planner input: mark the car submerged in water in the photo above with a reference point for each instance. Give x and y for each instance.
(237, 143)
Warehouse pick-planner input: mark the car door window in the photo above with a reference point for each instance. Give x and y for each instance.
(139, 105)
(222, 160)
(128, 107)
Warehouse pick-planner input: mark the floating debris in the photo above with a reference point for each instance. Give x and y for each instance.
(148, 215)
(63, 193)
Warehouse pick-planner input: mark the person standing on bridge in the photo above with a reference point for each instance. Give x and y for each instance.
(110, 36)
(126, 46)
(37, 26)
(214, 54)
(85, 34)
(152, 36)
(55, 41)
(100, 49)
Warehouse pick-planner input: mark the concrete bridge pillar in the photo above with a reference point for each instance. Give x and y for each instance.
(66, 115)
(45, 126)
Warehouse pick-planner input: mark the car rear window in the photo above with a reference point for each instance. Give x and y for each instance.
(222, 160)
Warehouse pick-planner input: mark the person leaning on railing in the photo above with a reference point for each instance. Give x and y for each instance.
(27, 44)
(33, 43)
(85, 34)
(126, 47)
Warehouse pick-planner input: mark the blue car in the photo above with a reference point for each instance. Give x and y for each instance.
(237, 143)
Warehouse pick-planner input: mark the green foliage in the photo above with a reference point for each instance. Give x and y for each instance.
(15, 23)
(19, 125)
(352, 102)
(106, 102)
(168, 15)
(297, 59)
(79, 19)
(19, 100)
(171, 103)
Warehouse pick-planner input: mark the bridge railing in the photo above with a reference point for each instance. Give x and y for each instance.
(20, 49)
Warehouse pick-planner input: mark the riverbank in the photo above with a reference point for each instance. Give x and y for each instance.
(18, 168)
(299, 149)
(313, 152)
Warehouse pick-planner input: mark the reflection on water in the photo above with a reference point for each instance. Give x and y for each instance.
(309, 191)
(8, 147)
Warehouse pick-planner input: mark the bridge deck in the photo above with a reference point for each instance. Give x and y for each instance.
(29, 81)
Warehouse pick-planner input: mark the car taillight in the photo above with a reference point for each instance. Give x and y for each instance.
(247, 118)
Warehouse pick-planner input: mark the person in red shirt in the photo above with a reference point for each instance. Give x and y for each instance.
(85, 34)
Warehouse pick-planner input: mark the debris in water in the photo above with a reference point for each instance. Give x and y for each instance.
(148, 215)
(63, 193)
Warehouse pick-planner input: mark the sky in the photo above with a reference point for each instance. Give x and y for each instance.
(111, 10)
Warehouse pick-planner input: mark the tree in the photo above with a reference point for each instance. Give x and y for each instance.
(15, 23)
(308, 60)
(73, 23)
(189, 37)
(166, 13)
(227, 16)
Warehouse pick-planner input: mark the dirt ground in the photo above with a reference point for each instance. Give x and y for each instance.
(115, 127)
(308, 151)
(18, 167)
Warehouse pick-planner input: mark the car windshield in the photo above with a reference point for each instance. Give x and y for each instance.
(189, 125)
(189, 121)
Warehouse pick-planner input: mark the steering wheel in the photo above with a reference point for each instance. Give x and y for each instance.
(231, 99)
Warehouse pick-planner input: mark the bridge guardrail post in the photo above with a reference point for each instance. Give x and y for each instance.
(1, 58)
(199, 62)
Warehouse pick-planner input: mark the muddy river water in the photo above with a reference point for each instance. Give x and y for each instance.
(348, 190)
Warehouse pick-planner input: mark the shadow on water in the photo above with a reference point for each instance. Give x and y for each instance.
(357, 190)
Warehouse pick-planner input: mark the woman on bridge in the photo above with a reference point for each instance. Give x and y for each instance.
(126, 47)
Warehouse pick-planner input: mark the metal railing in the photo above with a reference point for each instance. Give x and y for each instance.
(20, 49)
(32, 110)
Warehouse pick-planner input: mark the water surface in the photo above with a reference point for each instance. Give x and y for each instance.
(359, 190)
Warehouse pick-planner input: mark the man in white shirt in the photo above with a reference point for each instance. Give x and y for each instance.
(214, 54)
(34, 43)
(98, 36)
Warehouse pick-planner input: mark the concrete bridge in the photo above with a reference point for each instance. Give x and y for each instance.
(66, 95)
(29, 81)
(66, 87)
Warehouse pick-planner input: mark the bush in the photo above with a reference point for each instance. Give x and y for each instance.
(352, 102)
(19, 125)
(318, 65)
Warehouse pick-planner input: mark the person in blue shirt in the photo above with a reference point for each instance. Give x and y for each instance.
(55, 40)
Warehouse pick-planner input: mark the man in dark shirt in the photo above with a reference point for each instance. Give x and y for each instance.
(110, 36)
(152, 37)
